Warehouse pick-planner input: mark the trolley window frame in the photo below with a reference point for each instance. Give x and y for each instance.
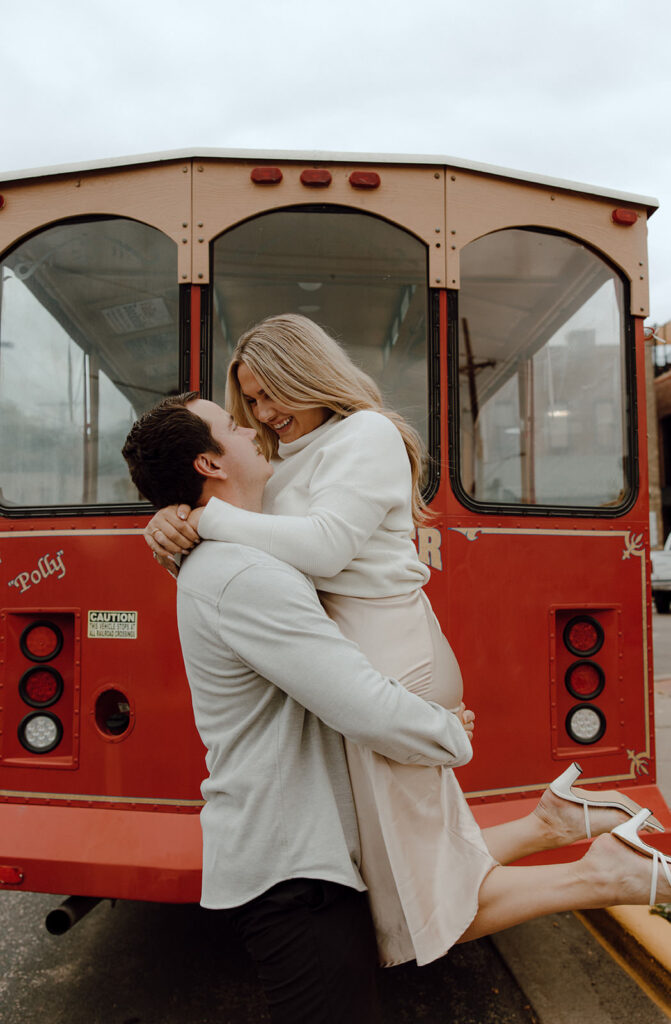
(432, 475)
(182, 358)
(630, 411)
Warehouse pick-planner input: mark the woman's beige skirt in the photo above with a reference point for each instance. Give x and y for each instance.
(423, 857)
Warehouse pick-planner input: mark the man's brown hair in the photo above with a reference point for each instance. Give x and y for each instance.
(161, 448)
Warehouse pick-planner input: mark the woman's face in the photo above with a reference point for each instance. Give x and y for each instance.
(288, 424)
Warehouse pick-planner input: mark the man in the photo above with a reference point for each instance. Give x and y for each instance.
(273, 685)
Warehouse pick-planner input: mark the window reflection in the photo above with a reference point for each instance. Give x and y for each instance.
(541, 373)
(88, 341)
(361, 278)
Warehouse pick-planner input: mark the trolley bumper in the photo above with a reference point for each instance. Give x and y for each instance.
(95, 851)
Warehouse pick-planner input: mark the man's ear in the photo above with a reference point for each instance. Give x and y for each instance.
(208, 464)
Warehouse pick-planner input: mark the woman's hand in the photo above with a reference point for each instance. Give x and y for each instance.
(172, 531)
(194, 518)
(467, 719)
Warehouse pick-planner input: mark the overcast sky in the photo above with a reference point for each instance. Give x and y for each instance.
(576, 89)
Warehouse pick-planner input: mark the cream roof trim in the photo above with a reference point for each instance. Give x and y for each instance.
(313, 156)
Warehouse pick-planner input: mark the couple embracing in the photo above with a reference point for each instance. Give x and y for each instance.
(335, 833)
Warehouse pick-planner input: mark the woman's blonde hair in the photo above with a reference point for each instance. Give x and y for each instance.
(300, 366)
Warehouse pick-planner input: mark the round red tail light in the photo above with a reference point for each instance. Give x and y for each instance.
(41, 687)
(41, 640)
(583, 635)
(584, 680)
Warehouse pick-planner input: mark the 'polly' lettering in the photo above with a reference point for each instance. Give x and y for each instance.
(48, 565)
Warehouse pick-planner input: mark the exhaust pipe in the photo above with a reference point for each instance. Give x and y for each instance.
(71, 910)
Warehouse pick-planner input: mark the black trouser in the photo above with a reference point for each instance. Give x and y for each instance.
(314, 948)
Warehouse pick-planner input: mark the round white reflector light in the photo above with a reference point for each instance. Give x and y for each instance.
(40, 733)
(585, 724)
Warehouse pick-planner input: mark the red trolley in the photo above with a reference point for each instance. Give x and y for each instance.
(500, 312)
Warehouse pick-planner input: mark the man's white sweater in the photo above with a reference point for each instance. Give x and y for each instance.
(272, 679)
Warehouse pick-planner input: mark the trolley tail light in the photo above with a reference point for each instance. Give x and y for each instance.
(583, 635)
(41, 641)
(40, 732)
(42, 664)
(41, 687)
(585, 724)
(587, 665)
(585, 680)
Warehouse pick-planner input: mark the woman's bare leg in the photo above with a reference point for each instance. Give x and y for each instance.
(553, 823)
(610, 873)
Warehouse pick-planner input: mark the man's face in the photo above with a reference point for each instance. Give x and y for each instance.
(242, 459)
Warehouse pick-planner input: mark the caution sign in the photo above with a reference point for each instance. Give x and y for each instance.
(113, 625)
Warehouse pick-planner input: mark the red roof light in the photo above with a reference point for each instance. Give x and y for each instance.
(316, 177)
(266, 175)
(624, 217)
(364, 179)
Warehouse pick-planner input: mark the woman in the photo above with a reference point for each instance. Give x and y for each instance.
(344, 498)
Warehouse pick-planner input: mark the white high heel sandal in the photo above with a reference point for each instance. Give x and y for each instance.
(563, 787)
(628, 833)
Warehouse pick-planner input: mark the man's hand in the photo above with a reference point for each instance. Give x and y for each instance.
(172, 531)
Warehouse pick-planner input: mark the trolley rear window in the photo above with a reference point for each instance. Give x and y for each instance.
(89, 339)
(542, 375)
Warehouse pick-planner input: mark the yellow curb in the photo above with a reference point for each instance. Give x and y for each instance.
(640, 942)
(652, 931)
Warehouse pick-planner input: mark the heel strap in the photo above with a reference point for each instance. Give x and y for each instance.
(588, 829)
(657, 859)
